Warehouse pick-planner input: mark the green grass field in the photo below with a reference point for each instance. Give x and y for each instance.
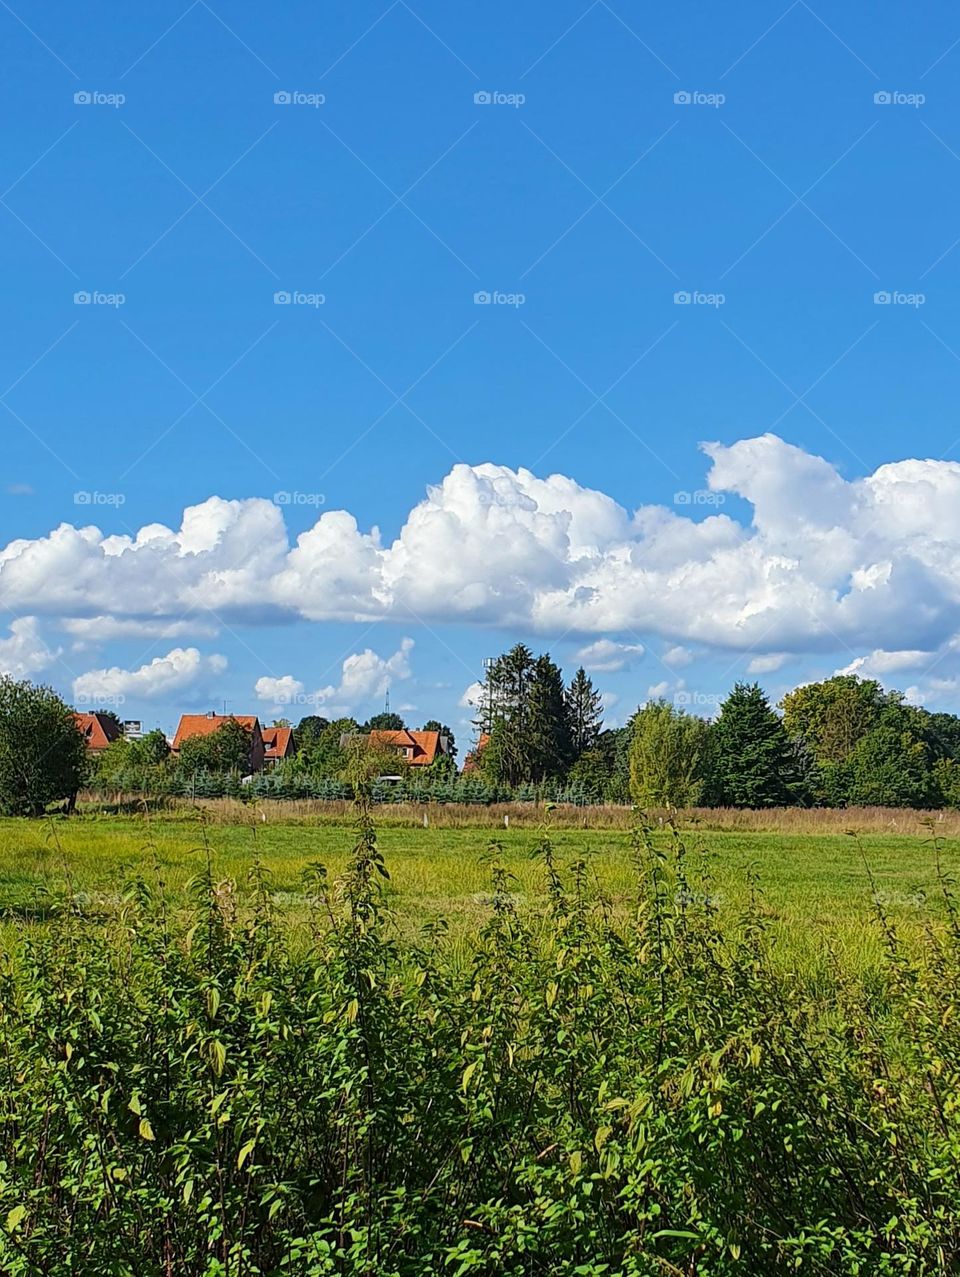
(816, 887)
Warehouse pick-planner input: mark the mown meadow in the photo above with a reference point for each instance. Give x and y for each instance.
(292, 1047)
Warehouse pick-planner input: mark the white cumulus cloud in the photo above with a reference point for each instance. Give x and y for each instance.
(25, 652)
(823, 562)
(180, 669)
(606, 657)
(364, 676)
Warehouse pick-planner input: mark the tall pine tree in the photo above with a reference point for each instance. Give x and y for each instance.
(753, 761)
(548, 728)
(584, 713)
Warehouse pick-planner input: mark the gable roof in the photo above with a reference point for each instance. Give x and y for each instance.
(425, 745)
(206, 724)
(97, 730)
(277, 741)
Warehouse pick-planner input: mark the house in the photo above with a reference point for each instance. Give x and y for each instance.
(419, 749)
(97, 730)
(278, 744)
(192, 725)
(472, 760)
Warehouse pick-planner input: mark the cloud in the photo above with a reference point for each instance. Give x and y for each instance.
(472, 696)
(19, 490)
(286, 690)
(823, 562)
(102, 629)
(769, 663)
(25, 652)
(677, 657)
(364, 676)
(877, 664)
(606, 657)
(180, 669)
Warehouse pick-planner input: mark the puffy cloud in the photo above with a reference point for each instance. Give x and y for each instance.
(286, 690)
(471, 697)
(769, 663)
(824, 562)
(878, 664)
(364, 676)
(24, 652)
(677, 657)
(180, 669)
(606, 657)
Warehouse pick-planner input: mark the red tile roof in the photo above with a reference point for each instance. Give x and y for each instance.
(277, 742)
(471, 762)
(423, 747)
(97, 730)
(207, 724)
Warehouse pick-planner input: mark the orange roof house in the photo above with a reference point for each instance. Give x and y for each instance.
(191, 725)
(419, 749)
(98, 730)
(278, 744)
(472, 760)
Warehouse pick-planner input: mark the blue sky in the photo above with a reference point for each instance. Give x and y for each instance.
(779, 165)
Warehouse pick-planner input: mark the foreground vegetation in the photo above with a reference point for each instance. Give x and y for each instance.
(608, 1082)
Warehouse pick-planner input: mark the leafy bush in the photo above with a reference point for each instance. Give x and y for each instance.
(588, 1091)
(42, 754)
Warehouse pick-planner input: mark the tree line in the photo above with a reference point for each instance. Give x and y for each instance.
(843, 741)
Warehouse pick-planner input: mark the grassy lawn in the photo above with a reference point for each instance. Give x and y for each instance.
(816, 886)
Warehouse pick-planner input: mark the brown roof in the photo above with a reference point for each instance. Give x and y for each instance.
(97, 730)
(424, 745)
(277, 742)
(206, 724)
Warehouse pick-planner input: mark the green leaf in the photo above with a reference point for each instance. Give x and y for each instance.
(14, 1217)
(146, 1130)
(245, 1152)
(468, 1073)
(217, 1055)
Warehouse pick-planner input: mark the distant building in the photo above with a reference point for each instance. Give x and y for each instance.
(97, 730)
(278, 744)
(419, 749)
(472, 760)
(192, 725)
